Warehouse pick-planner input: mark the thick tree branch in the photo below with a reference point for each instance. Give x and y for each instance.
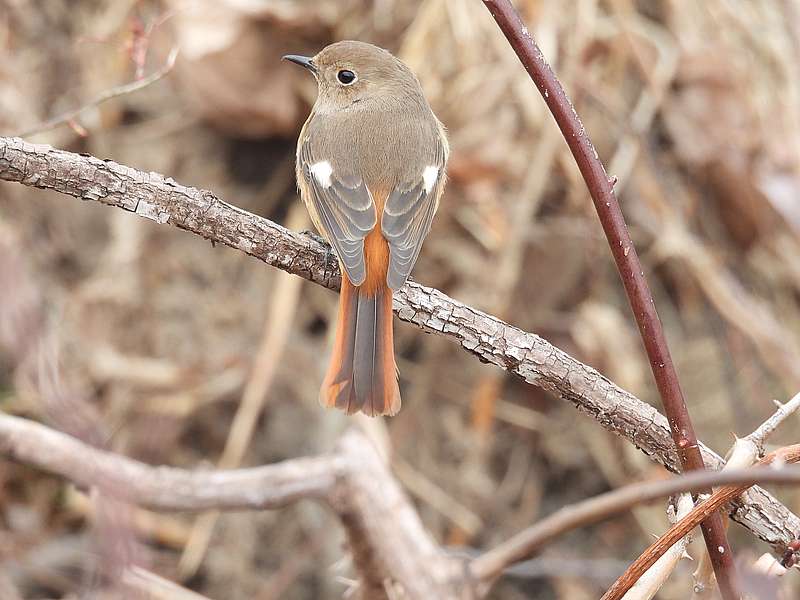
(491, 340)
(387, 539)
(164, 488)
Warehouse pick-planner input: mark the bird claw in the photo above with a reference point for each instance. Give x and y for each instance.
(314, 236)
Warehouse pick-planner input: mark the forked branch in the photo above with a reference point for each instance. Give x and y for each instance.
(387, 539)
(788, 455)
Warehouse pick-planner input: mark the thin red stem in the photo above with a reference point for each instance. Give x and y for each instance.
(630, 269)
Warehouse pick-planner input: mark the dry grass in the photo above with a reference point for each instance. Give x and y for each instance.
(142, 338)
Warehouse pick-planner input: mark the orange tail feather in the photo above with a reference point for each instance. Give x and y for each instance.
(362, 375)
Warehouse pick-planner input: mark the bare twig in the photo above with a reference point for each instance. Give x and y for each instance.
(70, 116)
(165, 488)
(629, 267)
(787, 455)
(654, 578)
(745, 452)
(524, 544)
(760, 435)
(526, 355)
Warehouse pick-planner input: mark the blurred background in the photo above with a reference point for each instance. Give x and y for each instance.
(153, 343)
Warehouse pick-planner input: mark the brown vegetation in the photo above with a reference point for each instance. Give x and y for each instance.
(155, 344)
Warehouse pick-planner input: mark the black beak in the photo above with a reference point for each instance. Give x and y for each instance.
(303, 61)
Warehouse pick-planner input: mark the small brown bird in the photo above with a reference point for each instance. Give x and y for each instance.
(371, 164)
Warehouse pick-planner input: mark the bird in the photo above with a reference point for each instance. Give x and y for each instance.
(371, 168)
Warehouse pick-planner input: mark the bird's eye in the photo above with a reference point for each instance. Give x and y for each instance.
(346, 77)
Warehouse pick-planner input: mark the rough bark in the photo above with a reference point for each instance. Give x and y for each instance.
(491, 340)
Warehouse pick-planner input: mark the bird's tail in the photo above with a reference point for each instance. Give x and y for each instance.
(362, 374)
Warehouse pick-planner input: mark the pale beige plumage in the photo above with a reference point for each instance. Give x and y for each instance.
(371, 163)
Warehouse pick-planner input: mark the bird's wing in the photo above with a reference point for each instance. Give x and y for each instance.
(409, 210)
(344, 207)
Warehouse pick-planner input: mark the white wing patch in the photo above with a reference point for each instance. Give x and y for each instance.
(429, 177)
(322, 172)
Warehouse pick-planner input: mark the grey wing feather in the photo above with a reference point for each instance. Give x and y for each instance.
(347, 213)
(407, 218)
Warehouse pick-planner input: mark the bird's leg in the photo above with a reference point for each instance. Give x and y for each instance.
(329, 253)
(315, 236)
